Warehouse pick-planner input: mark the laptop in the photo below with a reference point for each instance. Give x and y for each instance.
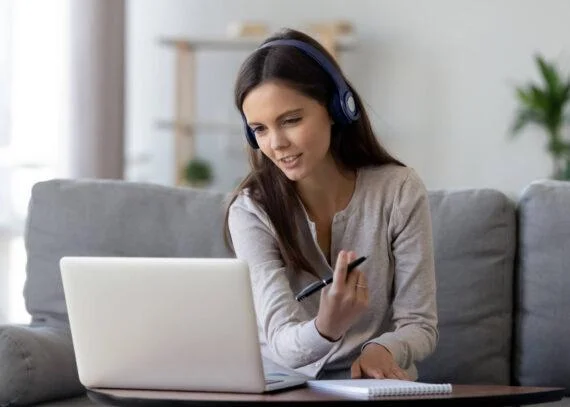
(181, 324)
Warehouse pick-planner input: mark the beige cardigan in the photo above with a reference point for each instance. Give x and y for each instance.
(387, 220)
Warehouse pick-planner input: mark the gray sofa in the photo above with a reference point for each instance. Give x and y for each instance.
(503, 271)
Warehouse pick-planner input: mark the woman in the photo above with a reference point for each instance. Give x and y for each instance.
(322, 189)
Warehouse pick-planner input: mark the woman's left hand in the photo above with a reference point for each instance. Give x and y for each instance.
(377, 362)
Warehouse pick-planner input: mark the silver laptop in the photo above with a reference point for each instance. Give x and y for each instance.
(166, 324)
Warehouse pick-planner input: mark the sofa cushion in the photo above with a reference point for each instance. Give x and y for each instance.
(112, 218)
(37, 364)
(541, 346)
(474, 247)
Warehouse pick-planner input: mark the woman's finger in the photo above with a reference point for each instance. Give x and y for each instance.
(360, 285)
(355, 371)
(400, 373)
(339, 274)
(367, 291)
(396, 374)
(352, 277)
(377, 374)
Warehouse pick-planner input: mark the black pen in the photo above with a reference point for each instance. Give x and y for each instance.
(317, 285)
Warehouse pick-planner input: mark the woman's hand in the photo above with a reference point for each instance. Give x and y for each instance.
(344, 301)
(377, 362)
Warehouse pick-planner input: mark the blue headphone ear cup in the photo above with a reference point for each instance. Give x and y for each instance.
(341, 111)
(337, 111)
(349, 107)
(250, 137)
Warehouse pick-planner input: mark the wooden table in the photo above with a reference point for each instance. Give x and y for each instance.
(463, 395)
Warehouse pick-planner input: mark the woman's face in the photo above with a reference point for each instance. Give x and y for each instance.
(292, 130)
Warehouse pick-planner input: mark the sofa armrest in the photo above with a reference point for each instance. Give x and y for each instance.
(541, 346)
(36, 364)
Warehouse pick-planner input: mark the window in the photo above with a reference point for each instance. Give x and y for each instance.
(33, 126)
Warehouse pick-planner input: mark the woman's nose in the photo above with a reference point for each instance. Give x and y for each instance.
(278, 140)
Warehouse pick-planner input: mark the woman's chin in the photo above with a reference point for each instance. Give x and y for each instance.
(294, 175)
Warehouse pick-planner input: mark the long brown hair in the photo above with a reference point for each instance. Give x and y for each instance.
(353, 146)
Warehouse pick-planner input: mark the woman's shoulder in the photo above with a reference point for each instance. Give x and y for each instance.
(390, 177)
(244, 205)
(244, 201)
(393, 189)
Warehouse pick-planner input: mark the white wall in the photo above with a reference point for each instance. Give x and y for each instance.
(438, 76)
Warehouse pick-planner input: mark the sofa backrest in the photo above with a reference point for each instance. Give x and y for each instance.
(542, 333)
(112, 218)
(474, 243)
(474, 240)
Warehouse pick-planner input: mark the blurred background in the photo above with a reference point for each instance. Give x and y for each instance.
(142, 90)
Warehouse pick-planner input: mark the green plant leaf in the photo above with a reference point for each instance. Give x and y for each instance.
(566, 173)
(198, 170)
(545, 104)
(557, 148)
(565, 95)
(539, 98)
(524, 96)
(525, 117)
(549, 74)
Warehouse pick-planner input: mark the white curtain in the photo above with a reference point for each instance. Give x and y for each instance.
(4, 140)
(97, 88)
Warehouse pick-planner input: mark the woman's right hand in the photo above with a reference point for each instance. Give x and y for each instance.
(342, 302)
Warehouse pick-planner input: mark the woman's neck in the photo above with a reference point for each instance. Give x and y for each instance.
(327, 192)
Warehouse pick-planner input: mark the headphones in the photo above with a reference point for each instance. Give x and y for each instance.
(342, 106)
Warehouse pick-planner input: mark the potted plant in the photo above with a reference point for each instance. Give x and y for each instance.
(545, 105)
(198, 173)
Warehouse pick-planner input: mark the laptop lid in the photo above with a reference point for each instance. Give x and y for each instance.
(163, 323)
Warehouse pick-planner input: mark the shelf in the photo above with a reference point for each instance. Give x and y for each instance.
(228, 44)
(209, 127)
(213, 43)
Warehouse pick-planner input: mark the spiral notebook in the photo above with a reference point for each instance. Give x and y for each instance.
(380, 387)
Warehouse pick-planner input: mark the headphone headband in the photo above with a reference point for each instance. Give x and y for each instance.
(314, 53)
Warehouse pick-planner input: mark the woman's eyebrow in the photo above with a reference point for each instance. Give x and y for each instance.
(288, 112)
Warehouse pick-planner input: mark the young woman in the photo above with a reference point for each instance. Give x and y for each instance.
(321, 192)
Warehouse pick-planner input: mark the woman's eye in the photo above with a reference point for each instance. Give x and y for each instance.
(257, 130)
(292, 120)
